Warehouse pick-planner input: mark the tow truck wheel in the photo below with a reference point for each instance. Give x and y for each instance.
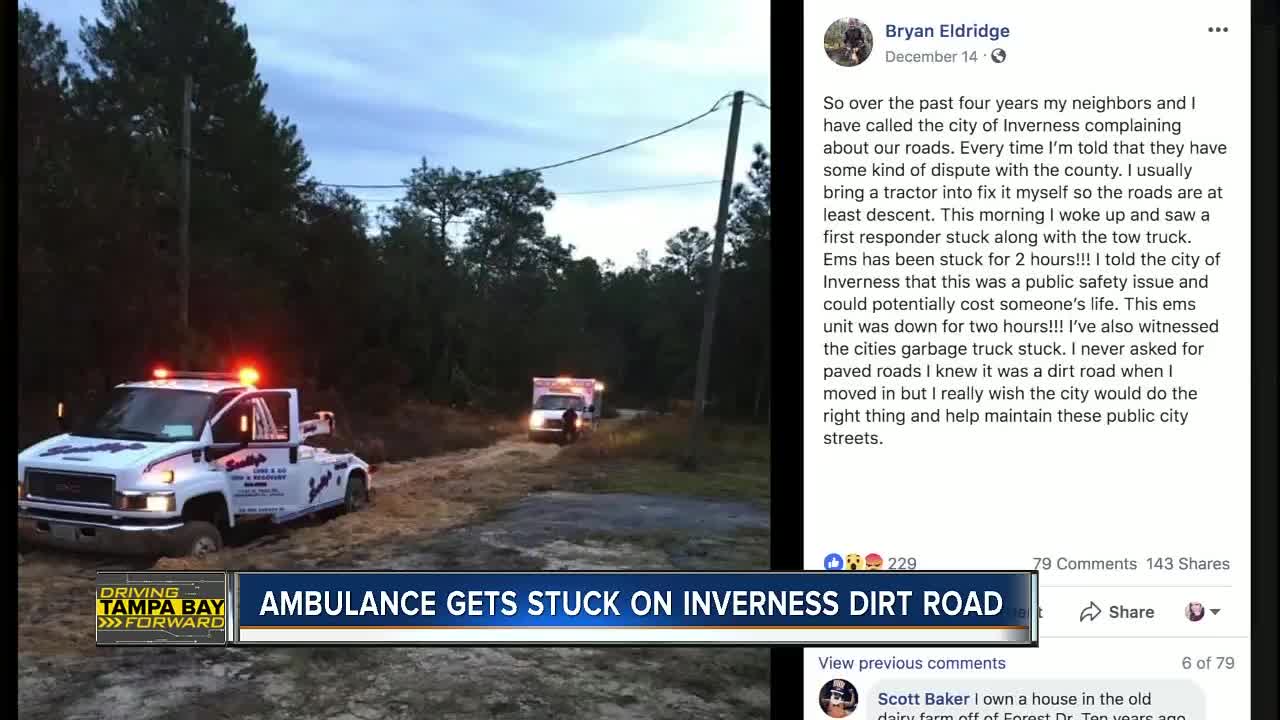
(199, 539)
(357, 496)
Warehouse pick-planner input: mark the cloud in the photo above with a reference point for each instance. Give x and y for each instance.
(616, 227)
(716, 55)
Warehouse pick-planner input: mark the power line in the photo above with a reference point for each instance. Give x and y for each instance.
(641, 187)
(560, 164)
(637, 188)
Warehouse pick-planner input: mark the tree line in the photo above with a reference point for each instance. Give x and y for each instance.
(456, 294)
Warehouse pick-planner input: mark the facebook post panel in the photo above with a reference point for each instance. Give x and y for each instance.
(1026, 345)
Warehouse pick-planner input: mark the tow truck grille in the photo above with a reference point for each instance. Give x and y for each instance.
(70, 487)
(555, 424)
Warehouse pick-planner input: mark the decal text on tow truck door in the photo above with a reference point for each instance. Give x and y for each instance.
(264, 483)
(316, 487)
(246, 461)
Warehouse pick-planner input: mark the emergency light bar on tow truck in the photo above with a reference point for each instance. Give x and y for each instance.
(169, 464)
(247, 376)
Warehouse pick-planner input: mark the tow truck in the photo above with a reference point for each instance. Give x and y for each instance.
(168, 465)
(553, 396)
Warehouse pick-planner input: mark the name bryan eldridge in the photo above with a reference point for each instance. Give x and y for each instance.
(948, 31)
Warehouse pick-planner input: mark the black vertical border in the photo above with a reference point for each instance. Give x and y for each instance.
(9, 240)
(786, 493)
(1266, 363)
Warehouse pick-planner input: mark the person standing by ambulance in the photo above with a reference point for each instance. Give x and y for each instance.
(570, 420)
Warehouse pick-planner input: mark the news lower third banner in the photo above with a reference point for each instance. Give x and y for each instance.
(636, 608)
(567, 608)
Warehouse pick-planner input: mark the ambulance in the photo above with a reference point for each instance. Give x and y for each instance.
(167, 466)
(553, 396)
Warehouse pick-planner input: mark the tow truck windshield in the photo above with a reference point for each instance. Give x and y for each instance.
(149, 414)
(558, 402)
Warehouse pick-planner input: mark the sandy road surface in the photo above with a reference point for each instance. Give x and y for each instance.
(507, 506)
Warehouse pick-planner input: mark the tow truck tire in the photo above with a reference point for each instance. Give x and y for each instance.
(198, 539)
(357, 495)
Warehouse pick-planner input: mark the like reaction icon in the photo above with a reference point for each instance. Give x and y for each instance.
(833, 562)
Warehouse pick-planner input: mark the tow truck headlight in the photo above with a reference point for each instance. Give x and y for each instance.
(535, 421)
(160, 503)
(577, 423)
(148, 502)
(160, 476)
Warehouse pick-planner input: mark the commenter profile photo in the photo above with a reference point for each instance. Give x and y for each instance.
(839, 698)
(848, 42)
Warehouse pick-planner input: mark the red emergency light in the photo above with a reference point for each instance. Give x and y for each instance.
(247, 375)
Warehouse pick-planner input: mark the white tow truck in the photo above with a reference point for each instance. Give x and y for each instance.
(168, 465)
(552, 397)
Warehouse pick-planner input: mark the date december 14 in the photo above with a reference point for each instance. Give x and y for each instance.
(1168, 563)
(936, 56)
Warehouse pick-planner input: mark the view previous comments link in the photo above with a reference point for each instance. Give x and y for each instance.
(1039, 260)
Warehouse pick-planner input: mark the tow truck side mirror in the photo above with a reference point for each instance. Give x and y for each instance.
(64, 421)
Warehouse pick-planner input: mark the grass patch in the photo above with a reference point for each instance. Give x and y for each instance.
(667, 438)
(415, 430)
(744, 482)
(646, 455)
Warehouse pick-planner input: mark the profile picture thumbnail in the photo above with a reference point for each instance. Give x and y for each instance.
(839, 698)
(1195, 612)
(848, 42)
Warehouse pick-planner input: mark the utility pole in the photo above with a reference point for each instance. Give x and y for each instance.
(184, 210)
(713, 290)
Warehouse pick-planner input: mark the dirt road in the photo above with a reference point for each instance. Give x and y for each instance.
(504, 454)
(510, 506)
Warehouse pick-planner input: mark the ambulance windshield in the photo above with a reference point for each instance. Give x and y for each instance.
(558, 402)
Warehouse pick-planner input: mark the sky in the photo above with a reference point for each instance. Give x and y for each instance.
(490, 85)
